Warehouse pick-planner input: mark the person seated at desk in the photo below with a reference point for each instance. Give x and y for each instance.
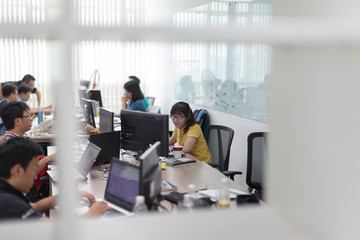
(9, 93)
(137, 80)
(18, 121)
(24, 95)
(136, 97)
(18, 168)
(27, 80)
(187, 132)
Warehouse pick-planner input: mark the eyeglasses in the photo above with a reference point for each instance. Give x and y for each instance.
(26, 116)
(173, 117)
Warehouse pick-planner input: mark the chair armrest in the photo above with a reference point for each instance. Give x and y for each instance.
(231, 174)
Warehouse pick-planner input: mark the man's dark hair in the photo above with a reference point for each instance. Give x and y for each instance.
(183, 109)
(8, 89)
(133, 87)
(23, 88)
(135, 78)
(17, 150)
(10, 111)
(27, 78)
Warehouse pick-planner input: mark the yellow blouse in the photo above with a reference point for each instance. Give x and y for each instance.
(200, 149)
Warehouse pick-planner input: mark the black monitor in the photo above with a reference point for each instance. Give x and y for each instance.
(106, 121)
(139, 129)
(86, 105)
(95, 95)
(150, 175)
(109, 143)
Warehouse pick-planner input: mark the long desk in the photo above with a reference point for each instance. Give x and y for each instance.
(199, 173)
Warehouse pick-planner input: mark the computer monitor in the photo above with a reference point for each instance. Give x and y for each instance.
(95, 95)
(82, 94)
(88, 112)
(139, 129)
(109, 143)
(123, 184)
(106, 121)
(150, 186)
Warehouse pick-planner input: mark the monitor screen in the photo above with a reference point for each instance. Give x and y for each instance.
(150, 174)
(95, 95)
(123, 184)
(139, 129)
(82, 94)
(88, 112)
(109, 143)
(106, 121)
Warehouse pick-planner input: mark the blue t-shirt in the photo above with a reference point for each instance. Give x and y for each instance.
(138, 105)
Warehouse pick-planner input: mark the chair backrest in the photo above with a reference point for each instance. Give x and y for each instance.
(202, 117)
(153, 109)
(219, 139)
(256, 159)
(150, 100)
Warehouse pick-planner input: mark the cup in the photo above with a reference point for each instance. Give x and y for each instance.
(177, 151)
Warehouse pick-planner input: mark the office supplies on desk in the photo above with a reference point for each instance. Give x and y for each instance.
(167, 186)
(179, 161)
(84, 165)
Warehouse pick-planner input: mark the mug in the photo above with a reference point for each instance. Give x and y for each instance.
(177, 151)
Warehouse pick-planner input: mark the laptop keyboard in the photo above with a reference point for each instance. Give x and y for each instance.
(113, 213)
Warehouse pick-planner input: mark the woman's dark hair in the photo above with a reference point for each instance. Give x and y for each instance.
(134, 88)
(135, 78)
(182, 108)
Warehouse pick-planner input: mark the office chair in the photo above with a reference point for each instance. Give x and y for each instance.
(202, 118)
(150, 100)
(153, 109)
(256, 158)
(219, 139)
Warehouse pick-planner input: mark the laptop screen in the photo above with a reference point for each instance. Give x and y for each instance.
(123, 184)
(87, 159)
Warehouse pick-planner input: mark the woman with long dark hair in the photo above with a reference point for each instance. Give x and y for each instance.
(187, 132)
(134, 94)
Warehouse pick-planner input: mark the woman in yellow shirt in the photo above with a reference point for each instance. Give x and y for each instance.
(187, 132)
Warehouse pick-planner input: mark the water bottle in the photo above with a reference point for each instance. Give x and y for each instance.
(224, 194)
(140, 206)
(191, 192)
(187, 204)
(40, 116)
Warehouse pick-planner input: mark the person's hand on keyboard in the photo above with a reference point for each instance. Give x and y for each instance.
(97, 209)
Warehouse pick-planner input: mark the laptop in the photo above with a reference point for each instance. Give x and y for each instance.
(83, 166)
(123, 185)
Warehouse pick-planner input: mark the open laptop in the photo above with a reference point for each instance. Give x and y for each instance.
(83, 166)
(122, 187)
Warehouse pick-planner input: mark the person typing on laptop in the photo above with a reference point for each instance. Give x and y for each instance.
(18, 169)
(18, 121)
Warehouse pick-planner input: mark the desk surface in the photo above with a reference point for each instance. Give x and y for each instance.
(199, 173)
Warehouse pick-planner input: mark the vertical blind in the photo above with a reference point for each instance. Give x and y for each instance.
(114, 59)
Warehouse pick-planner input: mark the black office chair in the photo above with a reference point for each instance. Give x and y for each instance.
(219, 139)
(256, 158)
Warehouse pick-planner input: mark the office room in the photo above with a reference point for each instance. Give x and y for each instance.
(313, 163)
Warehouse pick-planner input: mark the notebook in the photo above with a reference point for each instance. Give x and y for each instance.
(179, 161)
(123, 185)
(83, 166)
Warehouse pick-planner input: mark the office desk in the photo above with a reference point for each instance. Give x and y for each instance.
(199, 173)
